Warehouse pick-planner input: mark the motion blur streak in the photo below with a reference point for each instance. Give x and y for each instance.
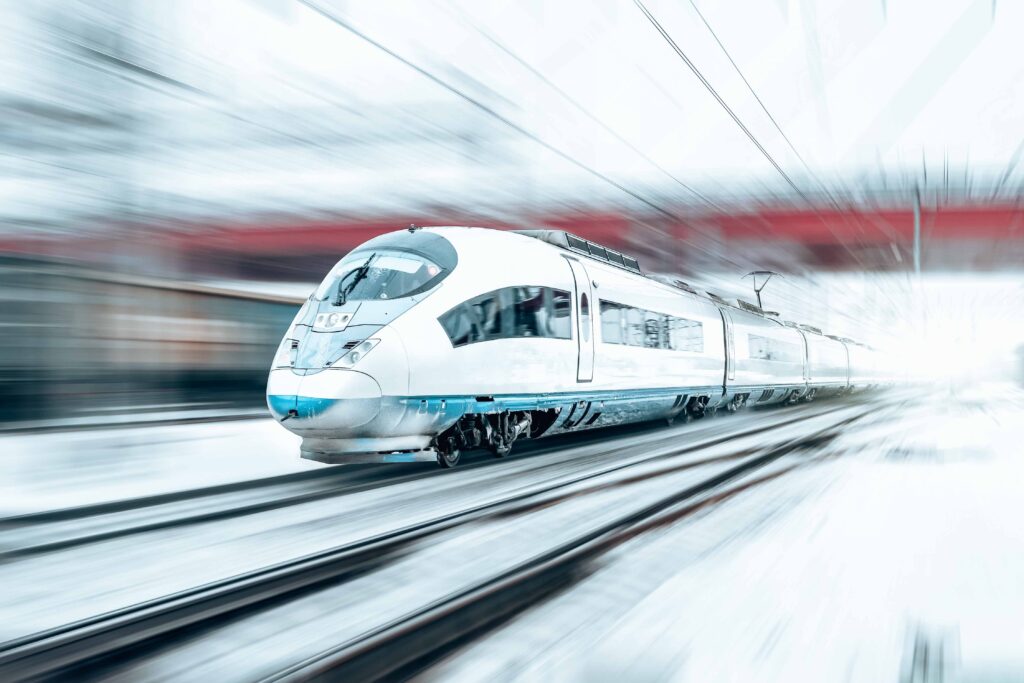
(176, 177)
(169, 143)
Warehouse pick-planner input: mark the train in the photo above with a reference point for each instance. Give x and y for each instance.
(423, 343)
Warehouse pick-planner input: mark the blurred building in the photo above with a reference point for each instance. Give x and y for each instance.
(187, 145)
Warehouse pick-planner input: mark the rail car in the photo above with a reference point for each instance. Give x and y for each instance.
(425, 342)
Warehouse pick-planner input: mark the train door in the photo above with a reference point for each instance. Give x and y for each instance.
(807, 358)
(584, 322)
(730, 346)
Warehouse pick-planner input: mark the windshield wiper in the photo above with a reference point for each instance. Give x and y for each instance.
(359, 273)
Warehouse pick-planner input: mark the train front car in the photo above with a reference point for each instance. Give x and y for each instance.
(340, 377)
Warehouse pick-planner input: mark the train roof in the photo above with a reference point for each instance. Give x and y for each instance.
(567, 240)
(576, 244)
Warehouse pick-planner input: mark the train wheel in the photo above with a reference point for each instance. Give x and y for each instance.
(447, 459)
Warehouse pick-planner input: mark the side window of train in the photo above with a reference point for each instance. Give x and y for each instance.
(767, 348)
(621, 324)
(461, 325)
(653, 325)
(512, 312)
(634, 326)
(611, 322)
(560, 320)
(686, 335)
(536, 312)
(488, 311)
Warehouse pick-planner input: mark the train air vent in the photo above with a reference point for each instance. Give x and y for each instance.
(352, 344)
(567, 240)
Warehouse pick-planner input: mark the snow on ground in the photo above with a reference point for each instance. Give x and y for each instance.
(44, 471)
(908, 548)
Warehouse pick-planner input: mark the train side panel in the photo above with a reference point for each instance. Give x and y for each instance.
(768, 360)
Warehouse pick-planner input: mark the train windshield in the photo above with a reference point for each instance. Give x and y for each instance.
(378, 274)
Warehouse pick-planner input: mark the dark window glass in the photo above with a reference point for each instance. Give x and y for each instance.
(577, 243)
(488, 312)
(512, 312)
(584, 318)
(652, 330)
(526, 312)
(615, 257)
(461, 326)
(560, 322)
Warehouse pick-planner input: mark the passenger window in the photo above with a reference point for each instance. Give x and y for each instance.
(461, 326)
(611, 322)
(652, 329)
(584, 317)
(488, 312)
(560, 323)
(621, 324)
(686, 335)
(634, 326)
(526, 312)
(512, 312)
(767, 348)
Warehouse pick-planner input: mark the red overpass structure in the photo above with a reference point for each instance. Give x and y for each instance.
(975, 237)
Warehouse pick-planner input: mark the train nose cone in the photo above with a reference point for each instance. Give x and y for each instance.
(338, 400)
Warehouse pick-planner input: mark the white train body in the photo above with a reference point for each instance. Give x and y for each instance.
(459, 337)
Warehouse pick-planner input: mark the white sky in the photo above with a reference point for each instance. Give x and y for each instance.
(865, 90)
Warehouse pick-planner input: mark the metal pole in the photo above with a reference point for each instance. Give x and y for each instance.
(917, 231)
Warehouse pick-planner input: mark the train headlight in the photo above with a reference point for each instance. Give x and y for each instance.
(285, 356)
(356, 354)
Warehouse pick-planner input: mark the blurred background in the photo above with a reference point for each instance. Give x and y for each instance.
(175, 177)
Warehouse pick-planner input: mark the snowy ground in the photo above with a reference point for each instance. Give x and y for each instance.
(900, 560)
(898, 557)
(45, 471)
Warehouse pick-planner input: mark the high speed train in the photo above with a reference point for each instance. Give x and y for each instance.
(425, 342)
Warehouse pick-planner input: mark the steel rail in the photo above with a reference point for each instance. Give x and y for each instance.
(68, 647)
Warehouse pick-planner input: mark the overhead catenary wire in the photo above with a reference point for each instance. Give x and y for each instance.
(348, 26)
(750, 87)
(757, 143)
(711, 89)
(331, 16)
(586, 112)
(454, 90)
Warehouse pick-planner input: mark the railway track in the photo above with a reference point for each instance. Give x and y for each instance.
(76, 646)
(52, 530)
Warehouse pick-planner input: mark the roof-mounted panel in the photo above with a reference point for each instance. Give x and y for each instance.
(567, 240)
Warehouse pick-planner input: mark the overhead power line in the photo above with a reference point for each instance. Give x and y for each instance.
(488, 110)
(750, 87)
(711, 89)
